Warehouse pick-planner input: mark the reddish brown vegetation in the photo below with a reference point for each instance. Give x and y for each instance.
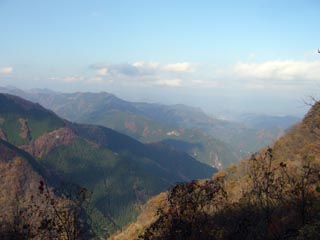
(45, 143)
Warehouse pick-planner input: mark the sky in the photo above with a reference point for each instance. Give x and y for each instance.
(223, 56)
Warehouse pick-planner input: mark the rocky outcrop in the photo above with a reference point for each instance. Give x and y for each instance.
(25, 130)
(45, 143)
(3, 135)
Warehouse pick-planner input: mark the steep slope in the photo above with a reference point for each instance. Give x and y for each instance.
(137, 121)
(202, 146)
(273, 195)
(156, 122)
(19, 181)
(243, 139)
(259, 121)
(22, 121)
(29, 206)
(122, 172)
(221, 142)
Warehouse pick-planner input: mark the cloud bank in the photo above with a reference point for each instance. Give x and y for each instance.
(145, 73)
(6, 70)
(282, 70)
(272, 74)
(278, 73)
(142, 68)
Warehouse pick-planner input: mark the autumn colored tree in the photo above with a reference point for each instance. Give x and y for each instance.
(51, 215)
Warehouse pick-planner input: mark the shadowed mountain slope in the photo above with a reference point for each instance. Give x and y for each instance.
(122, 172)
(216, 142)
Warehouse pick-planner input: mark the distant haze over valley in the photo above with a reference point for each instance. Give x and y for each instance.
(223, 104)
(224, 57)
(219, 105)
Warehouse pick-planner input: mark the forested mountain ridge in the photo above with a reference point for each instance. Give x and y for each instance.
(138, 120)
(122, 172)
(207, 139)
(274, 194)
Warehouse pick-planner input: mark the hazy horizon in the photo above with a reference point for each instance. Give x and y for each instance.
(249, 56)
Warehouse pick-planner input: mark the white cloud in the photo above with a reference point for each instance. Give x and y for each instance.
(208, 83)
(96, 80)
(198, 82)
(75, 78)
(102, 71)
(179, 67)
(273, 74)
(6, 70)
(141, 68)
(148, 65)
(254, 86)
(277, 74)
(287, 70)
(169, 82)
(142, 73)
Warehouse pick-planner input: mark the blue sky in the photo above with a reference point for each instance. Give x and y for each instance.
(220, 55)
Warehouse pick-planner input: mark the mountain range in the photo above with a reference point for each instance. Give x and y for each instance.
(121, 172)
(116, 173)
(274, 194)
(210, 140)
